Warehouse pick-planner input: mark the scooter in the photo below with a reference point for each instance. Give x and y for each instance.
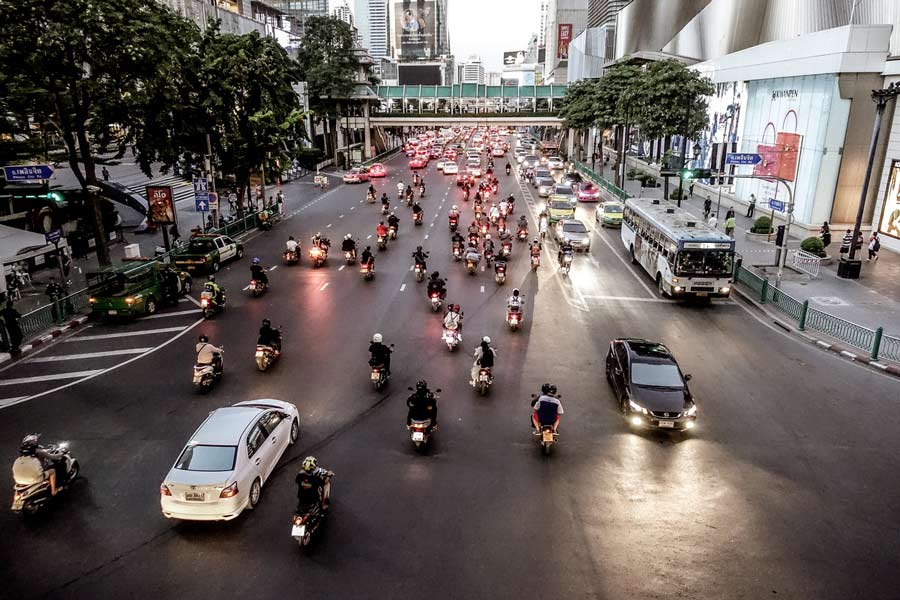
(418, 217)
(208, 304)
(484, 381)
(566, 264)
(370, 198)
(385, 209)
(29, 496)
(382, 242)
(392, 232)
(291, 257)
(500, 272)
(535, 261)
(367, 270)
(546, 437)
(522, 235)
(436, 301)
(454, 224)
(304, 525)
(471, 266)
(420, 433)
(265, 356)
(318, 255)
(420, 272)
(379, 377)
(505, 249)
(257, 287)
(409, 199)
(350, 256)
(514, 318)
(457, 252)
(451, 337)
(206, 375)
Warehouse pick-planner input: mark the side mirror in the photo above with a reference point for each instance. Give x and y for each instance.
(391, 345)
(437, 391)
(410, 389)
(688, 377)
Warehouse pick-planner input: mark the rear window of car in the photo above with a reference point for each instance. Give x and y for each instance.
(200, 457)
(473, 162)
(656, 375)
(545, 181)
(532, 158)
(563, 190)
(616, 209)
(202, 246)
(561, 205)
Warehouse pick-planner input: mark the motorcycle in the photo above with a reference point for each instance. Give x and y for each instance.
(400, 192)
(206, 375)
(420, 434)
(318, 255)
(514, 317)
(489, 257)
(382, 242)
(420, 272)
(535, 262)
(370, 198)
(457, 251)
(421, 191)
(566, 263)
(505, 249)
(392, 232)
(257, 287)
(483, 228)
(546, 437)
(500, 272)
(454, 224)
(290, 257)
(508, 170)
(384, 209)
(409, 199)
(208, 304)
(379, 376)
(484, 381)
(418, 217)
(368, 271)
(436, 301)
(471, 266)
(304, 525)
(29, 496)
(452, 338)
(350, 256)
(265, 356)
(522, 234)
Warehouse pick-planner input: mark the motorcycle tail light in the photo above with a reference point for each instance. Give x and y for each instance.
(230, 491)
(204, 303)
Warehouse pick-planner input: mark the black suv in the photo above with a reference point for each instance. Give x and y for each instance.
(651, 389)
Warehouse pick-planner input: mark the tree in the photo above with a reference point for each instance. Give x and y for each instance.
(83, 65)
(615, 105)
(673, 101)
(328, 65)
(579, 109)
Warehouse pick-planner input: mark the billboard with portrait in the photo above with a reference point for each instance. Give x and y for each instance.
(414, 24)
(563, 37)
(889, 224)
(162, 205)
(513, 58)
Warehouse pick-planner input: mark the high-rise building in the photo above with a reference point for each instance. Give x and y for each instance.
(603, 12)
(470, 70)
(301, 10)
(542, 26)
(566, 19)
(341, 10)
(372, 22)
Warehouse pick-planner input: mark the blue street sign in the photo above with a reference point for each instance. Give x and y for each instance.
(201, 204)
(776, 204)
(27, 172)
(742, 159)
(201, 194)
(54, 236)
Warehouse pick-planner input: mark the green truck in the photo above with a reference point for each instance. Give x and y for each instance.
(135, 290)
(207, 252)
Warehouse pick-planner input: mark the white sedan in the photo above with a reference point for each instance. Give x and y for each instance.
(451, 168)
(439, 165)
(555, 163)
(223, 467)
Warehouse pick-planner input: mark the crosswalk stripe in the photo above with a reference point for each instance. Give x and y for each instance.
(46, 359)
(51, 377)
(177, 313)
(10, 401)
(107, 336)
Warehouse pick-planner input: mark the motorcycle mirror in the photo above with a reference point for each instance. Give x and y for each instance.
(437, 391)
(410, 389)
(534, 396)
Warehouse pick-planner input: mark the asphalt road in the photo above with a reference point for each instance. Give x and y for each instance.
(787, 487)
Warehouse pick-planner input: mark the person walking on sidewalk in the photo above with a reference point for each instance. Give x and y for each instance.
(707, 207)
(825, 234)
(713, 222)
(105, 173)
(11, 320)
(730, 213)
(691, 190)
(730, 224)
(874, 246)
(751, 208)
(845, 242)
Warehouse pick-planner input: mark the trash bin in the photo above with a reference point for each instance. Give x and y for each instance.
(849, 269)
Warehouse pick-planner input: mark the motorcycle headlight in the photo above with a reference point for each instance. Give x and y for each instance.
(635, 407)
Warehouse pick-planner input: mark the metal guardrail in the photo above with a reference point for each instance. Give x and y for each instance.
(806, 262)
(601, 181)
(869, 340)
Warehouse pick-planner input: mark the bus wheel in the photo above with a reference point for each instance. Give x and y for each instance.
(660, 286)
(633, 259)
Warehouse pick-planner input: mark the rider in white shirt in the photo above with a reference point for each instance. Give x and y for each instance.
(515, 302)
(291, 244)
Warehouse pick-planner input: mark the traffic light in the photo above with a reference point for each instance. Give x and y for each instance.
(687, 174)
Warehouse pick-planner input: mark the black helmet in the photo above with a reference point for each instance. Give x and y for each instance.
(552, 390)
(545, 389)
(421, 385)
(516, 292)
(29, 444)
(418, 248)
(266, 323)
(435, 275)
(203, 339)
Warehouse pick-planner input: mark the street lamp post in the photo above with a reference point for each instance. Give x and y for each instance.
(849, 268)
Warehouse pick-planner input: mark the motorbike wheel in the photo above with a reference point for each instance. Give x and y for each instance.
(208, 313)
(545, 448)
(482, 388)
(73, 472)
(261, 363)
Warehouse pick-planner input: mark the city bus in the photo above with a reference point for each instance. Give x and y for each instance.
(685, 256)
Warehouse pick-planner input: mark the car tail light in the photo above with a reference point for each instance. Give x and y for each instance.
(230, 491)
(164, 490)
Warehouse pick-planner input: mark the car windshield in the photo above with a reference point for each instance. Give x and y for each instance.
(615, 209)
(562, 205)
(656, 375)
(532, 158)
(198, 457)
(546, 181)
(562, 190)
(574, 228)
(705, 263)
(202, 246)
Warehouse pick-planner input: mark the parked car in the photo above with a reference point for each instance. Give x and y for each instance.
(221, 470)
(649, 385)
(356, 175)
(609, 214)
(575, 232)
(377, 170)
(208, 252)
(588, 192)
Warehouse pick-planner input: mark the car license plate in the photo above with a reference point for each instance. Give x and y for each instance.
(298, 530)
(418, 436)
(670, 424)
(376, 375)
(193, 496)
(113, 312)
(702, 294)
(547, 436)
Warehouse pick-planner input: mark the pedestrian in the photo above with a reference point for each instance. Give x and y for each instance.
(11, 321)
(730, 224)
(845, 242)
(270, 202)
(173, 232)
(594, 161)
(210, 225)
(825, 234)
(105, 173)
(232, 201)
(713, 221)
(858, 244)
(751, 208)
(707, 207)
(874, 246)
(691, 189)
(730, 213)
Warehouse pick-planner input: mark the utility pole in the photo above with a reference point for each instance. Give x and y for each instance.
(211, 172)
(687, 117)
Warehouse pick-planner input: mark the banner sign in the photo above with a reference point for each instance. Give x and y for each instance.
(415, 27)
(563, 37)
(162, 204)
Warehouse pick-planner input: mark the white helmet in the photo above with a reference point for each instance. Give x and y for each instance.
(455, 207)
(486, 340)
(487, 236)
(348, 236)
(376, 339)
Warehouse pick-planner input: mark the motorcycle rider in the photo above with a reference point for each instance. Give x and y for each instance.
(419, 257)
(494, 213)
(394, 221)
(313, 485)
(523, 224)
(457, 240)
(381, 354)
(508, 168)
(207, 354)
(417, 210)
(484, 358)
(564, 248)
(36, 462)
(454, 214)
(515, 302)
(291, 244)
(547, 408)
(400, 188)
(381, 230)
(422, 188)
(453, 318)
(368, 258)
(422, 405)
(504, 208)
(269, 336)
(258, 273)
(416, 179)
(385, 201)
(409, 193)
(472, 253)
(216, 289)
(349, 245)
(371, 191)
(488, 245)
(436, 284)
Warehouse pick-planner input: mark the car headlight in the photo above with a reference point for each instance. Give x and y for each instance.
(691, 412)
(637, 407)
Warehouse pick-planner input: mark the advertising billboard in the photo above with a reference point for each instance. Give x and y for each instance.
(414, 24)
(890, 212)
(162, 205)
(563, 37)
(419, 74)
(513, 58)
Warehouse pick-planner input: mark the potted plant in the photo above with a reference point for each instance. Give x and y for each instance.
(815, 246)
(760, 230)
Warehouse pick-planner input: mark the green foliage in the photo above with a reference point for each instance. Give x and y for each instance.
(762, 225)
(813, 245)
(676, 193)
(672, 100)
(647, 180)
(327, 63)
(578, 109)
(631, 174)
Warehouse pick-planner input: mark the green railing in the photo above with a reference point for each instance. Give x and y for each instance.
(603, 183)
(872, 341)
(58, 311)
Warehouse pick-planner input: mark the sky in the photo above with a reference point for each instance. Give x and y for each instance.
(489, 27)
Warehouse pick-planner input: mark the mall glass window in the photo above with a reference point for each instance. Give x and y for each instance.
(889, 224)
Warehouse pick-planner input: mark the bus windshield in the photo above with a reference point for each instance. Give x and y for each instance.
(705, 263)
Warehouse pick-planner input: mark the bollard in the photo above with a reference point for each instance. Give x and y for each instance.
(803, 310)
(876, 343)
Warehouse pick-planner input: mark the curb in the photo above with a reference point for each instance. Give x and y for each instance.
(46, 337)
(847, 352)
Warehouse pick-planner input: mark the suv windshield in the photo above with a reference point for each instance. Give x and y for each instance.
(207, 458)
(709, 263)
(656, 375)
(203, 246)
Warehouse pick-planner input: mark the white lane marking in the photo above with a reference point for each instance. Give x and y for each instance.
(411, 267)
(52, 377)
(369, 237)
(352, 208)
(328, 226)
(482, 289)
(45, 359)
(340, 216)
(185, 299)
(273, 267)
(246, 287)
(108, 336)
(341, 268)
(177, 313)
(402, 287)
(630, 299)
(324, 285)
(10, 401)
(628, 267)
(426, 236)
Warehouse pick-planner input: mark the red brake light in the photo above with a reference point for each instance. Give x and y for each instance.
(204, 302)
(230, 491)
(164, 490)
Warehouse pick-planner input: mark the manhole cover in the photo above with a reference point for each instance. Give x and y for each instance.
(829, 300)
